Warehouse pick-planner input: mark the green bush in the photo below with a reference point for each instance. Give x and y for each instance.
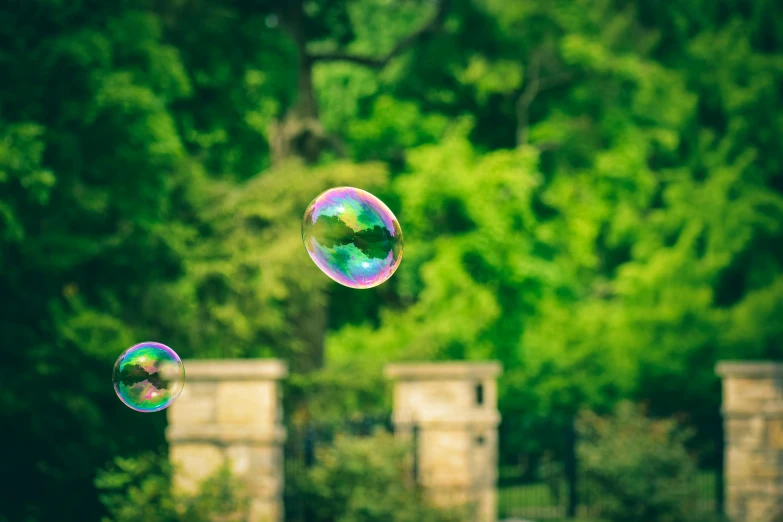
(139, 488)
(637, 467)
(361, 479)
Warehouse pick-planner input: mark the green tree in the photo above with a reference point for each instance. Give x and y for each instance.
(638, 468)
(91, 165)
(652, 230)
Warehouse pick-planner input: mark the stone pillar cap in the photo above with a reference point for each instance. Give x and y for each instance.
(442, 371)
(758, 369)
(234, 370)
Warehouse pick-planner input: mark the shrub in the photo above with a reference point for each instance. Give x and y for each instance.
(139, 488)
(638, 468)
(221, 498)
(362, 479)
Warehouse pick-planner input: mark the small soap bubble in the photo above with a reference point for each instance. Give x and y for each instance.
(353, 237)
(271, 21)
(148, 377)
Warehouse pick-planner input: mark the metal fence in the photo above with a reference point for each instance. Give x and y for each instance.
(301, 453)
(538, 468)
(538, 473)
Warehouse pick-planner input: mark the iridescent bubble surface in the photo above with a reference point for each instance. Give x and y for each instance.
(148, 377)
(353, 237)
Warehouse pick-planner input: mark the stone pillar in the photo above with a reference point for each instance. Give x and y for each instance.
(753, 427)
(231, 411)
(454, 406)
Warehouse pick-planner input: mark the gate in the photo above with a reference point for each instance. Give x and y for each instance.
(301, 453)
(537, 468)
(538, 475)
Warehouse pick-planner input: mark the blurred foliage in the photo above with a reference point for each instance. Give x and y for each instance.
(590, 192)
(637, 468)
(335, 393)
(140, 488)
(362, 479)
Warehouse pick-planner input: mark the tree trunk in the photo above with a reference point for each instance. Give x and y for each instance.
(300, 135)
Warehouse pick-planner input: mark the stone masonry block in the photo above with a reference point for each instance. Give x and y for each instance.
(193, 463)
(195, 405)
(745, 432)
(265, 511)
(266, 486)
(444, 458)
(436, 391)
(775, 434)
(744, 465)
(449, 497)
(735, 503)
(430, 400)
(239, 457)
(748, 395)
(762, 508)
(266, 457)
(484, 457)
(247, 403)
(487, 504)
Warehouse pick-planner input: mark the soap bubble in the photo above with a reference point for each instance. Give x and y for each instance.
(148, 377)
(353, 237)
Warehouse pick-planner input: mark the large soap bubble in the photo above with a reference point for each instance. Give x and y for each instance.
(353, 237)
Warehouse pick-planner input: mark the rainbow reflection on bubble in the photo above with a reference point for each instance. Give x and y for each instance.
(353, 237)
(148, 377)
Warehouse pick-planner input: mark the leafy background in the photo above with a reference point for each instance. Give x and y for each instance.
(591, 192)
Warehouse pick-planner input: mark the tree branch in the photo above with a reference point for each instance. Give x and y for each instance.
(379, 62)
(535, 85)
